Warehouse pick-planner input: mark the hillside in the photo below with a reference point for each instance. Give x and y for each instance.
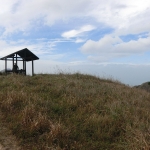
(145, 86)
(75, 112)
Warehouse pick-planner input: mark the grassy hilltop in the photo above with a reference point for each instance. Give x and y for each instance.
(75, 112)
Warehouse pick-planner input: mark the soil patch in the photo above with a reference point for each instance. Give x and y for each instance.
(7, 140)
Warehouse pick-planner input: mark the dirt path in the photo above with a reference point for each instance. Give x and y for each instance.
(7, 140)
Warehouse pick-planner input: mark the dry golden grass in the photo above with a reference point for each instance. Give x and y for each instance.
(72, 112)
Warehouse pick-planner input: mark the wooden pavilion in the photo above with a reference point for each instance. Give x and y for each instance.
(23, 55)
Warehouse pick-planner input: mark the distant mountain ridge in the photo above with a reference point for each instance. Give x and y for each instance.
(144, 86)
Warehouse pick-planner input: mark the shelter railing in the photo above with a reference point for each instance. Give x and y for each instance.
(21, 71)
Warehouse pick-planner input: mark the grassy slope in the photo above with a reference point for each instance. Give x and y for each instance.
(75, 112)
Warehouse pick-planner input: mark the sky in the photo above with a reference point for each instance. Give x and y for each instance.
(108, 39)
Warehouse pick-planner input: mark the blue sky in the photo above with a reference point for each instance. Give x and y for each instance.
(109, 39)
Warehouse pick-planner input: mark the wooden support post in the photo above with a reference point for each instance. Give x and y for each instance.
(24, 66)
(5, 65)
(32, 68)
(25, 62)
(16, 60)
(13, 64)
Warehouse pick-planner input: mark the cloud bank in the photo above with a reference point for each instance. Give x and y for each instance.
(114, 47)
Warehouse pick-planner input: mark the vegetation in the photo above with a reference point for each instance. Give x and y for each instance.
(75, 112)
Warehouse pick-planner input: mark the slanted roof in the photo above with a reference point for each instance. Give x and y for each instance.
(25, 54)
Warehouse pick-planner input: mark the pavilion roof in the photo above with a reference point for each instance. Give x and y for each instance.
(25, 54)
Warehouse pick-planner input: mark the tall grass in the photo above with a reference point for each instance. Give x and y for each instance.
(75, 112)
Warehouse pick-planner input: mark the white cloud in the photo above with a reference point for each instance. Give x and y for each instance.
(79, 32)
(121, 15)
(6, 6)
(110, 47)
(136, 24)
(125, 16)
(102, 46)
(25, 12)
(79, 40)
(40, 48)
